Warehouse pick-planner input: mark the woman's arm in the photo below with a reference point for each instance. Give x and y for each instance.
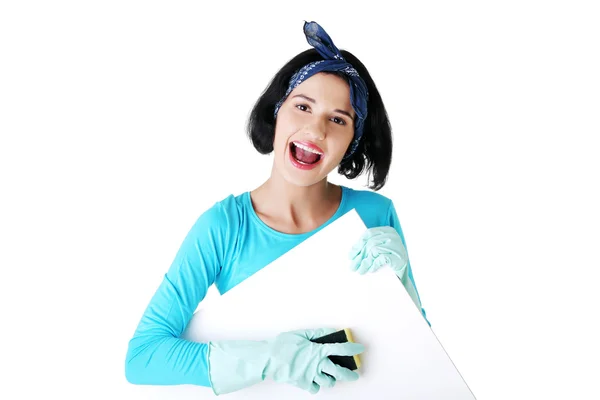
(156, 355)
(407, 280)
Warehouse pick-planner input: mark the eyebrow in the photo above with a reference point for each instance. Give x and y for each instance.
(314, 101)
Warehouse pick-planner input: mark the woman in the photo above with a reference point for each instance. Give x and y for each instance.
(320, 112)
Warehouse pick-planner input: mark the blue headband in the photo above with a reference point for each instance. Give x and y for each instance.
(333, 61)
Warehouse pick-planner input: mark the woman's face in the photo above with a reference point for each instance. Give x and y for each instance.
(313, 129)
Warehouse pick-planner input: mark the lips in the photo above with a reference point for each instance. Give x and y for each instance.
(302, 154)
(310, 146)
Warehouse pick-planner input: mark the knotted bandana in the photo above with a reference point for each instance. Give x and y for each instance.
(333, 61)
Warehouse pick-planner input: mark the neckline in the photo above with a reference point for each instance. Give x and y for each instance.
(285, 235)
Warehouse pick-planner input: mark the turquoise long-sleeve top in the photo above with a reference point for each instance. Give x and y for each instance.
(227, 244)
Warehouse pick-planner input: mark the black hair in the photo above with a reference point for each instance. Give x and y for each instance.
(374, 152)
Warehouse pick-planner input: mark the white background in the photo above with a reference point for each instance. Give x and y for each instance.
(122, 121)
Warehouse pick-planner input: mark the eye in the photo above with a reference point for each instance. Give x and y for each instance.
(337, 120)
(341, 121)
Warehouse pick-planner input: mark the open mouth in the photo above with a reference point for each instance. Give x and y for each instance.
(305, 155)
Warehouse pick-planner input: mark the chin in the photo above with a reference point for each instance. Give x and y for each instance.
(303, 181)
(300, 177)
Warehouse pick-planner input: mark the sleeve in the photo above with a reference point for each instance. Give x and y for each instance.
(409, 283)
(156, 355)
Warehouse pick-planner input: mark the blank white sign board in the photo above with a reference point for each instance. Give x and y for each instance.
(311, 286)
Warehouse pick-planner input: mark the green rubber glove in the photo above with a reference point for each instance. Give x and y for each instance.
(379, 247)
(289, 358)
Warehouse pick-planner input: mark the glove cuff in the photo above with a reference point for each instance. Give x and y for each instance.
(236, 364)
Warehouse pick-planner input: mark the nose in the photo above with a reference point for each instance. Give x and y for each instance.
(316, 130)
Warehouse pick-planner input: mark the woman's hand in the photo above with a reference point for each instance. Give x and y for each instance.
(382, 246)
(296, 360)
(379, 247)
(290, 357)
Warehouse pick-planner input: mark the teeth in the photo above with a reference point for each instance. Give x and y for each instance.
(303, 147)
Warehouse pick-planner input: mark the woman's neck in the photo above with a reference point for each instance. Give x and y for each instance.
(291, 208)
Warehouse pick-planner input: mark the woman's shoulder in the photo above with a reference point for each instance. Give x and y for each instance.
(366, 198)
(373, 208)
(217, 226)
(223, 212)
